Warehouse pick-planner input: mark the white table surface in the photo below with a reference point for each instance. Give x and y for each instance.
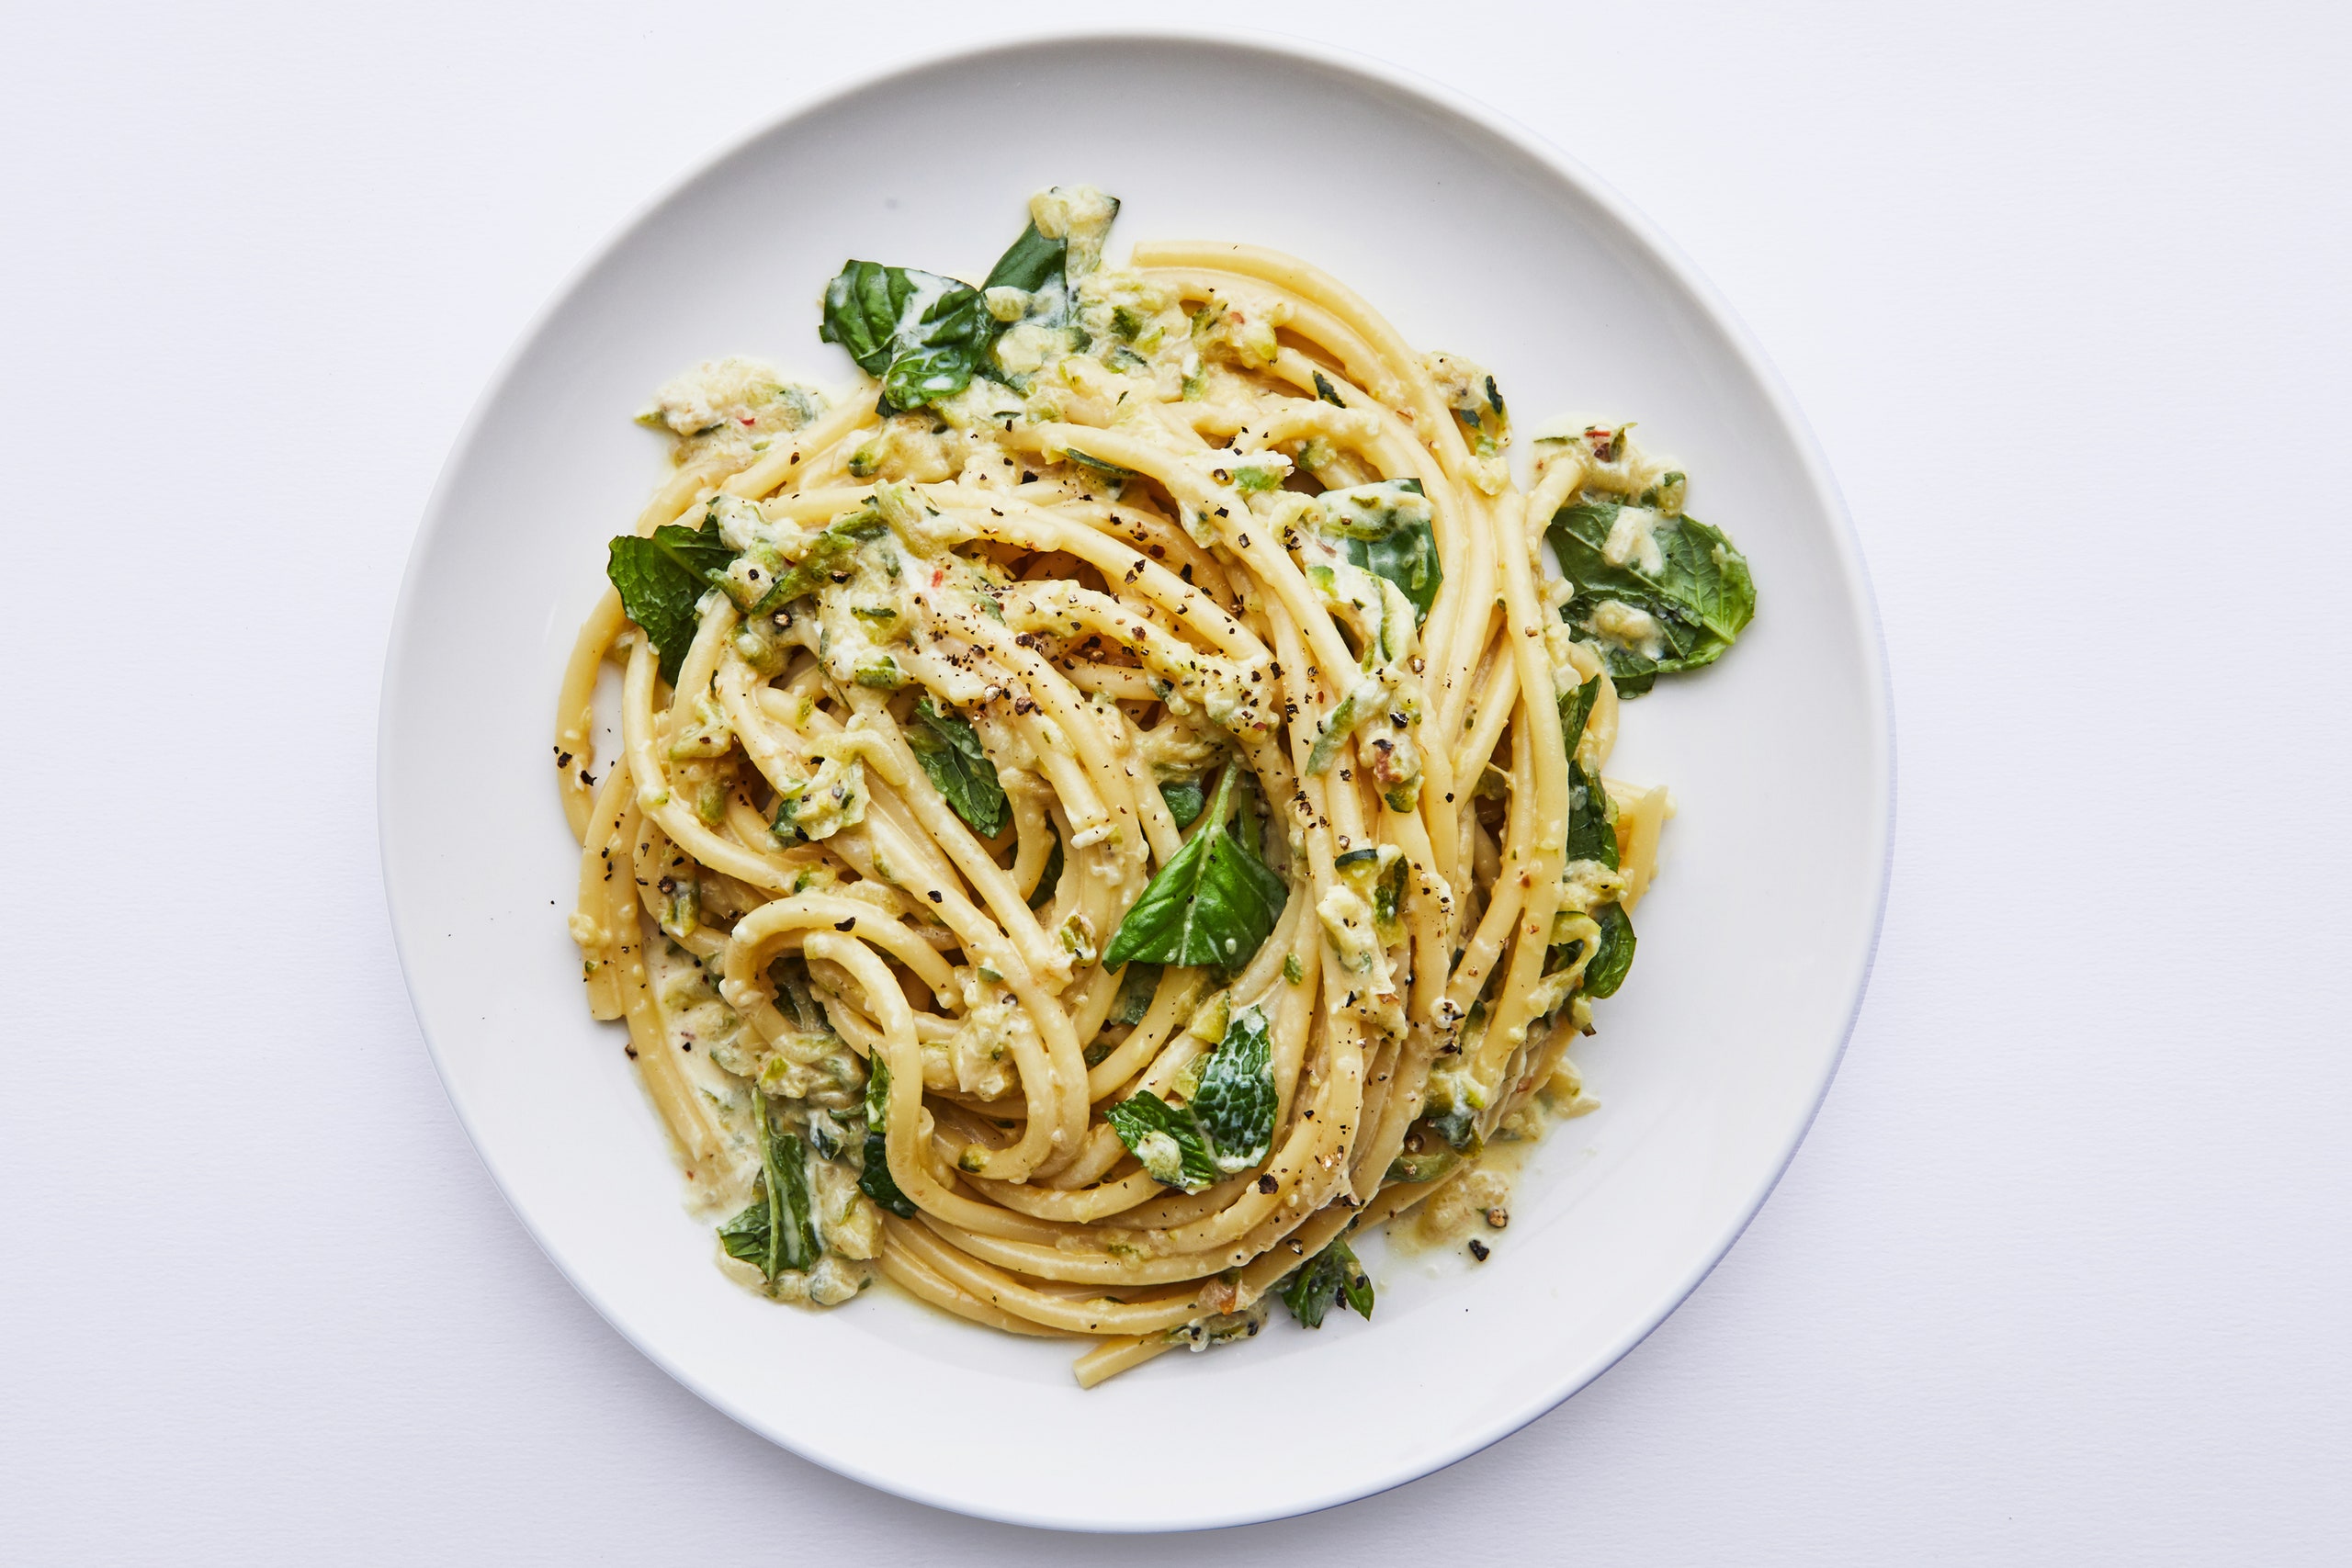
(2062, 1273)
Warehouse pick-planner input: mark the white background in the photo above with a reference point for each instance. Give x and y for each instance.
(2062, 1273)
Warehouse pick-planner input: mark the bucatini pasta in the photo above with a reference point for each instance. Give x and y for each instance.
(1116, 804)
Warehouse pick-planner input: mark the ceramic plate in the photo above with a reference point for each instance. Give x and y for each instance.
(1471, 236)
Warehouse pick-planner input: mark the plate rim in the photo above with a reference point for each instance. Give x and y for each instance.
(1878, 709)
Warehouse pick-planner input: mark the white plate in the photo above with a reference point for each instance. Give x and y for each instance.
(1472, 237)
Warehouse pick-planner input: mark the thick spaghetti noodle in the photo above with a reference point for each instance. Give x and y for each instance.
(1117, 803)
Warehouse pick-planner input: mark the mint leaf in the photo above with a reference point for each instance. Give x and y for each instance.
(660, 580)
(874, 1180)
(949, 750)
(1329, 1279)
(1614, 954)
(1230, 1125)
(1700, 592)
(1213, 903)
(1235, 1101)
(1167, 1140)
(1385, 529)
(921, 333)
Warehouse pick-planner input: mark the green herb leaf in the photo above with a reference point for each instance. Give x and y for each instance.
(1576, 712)
(949, 750)
(1614, 954)
(1592, 833)
(1051, 878)
(1385, 529)
(1168, 1140)
(874, 1180)
(1699, 592)
(1329, 1279)
(1213, 903)
(1136, 993)
(1185, 799)
(1085, 460)
(1327, 392)
(922, 334)
(1029, 263)
(1234, 1104)
(661, 579)
(775, 1234)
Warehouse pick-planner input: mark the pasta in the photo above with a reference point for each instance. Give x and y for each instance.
(1115, 804)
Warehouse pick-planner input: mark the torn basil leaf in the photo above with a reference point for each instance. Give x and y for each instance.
(1214, 902)
(661, 580)
(1234, 1104)
(1612, 955)
(1167, 1140)
(1592, 833)
(1675, 599)
(1229, 1124)
(775, 1234)
(1185, 799)
(874, 1180)
(1051, 878)
(949, 750)
(921, 333)
(1576, 712)
(1332, 1278)
(1385, 529)
(1137, 990)
(1029, 263)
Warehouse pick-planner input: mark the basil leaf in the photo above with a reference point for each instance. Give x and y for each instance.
(1234, 1104)
(1327, 392)
(949, 750)
(1214, 902)
(1699, 590)
(775, 1234)
(1186, 800)
(827, 1136)
(1592, 833)
(1331, 1277)
(922, 334)
(1166, 1139)
(661, 579)
(1385, 529)
(874, 1180)
(1576, 712)
(1029, 263)
(1614, 954)
(1051, 878)
(1136, 994)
